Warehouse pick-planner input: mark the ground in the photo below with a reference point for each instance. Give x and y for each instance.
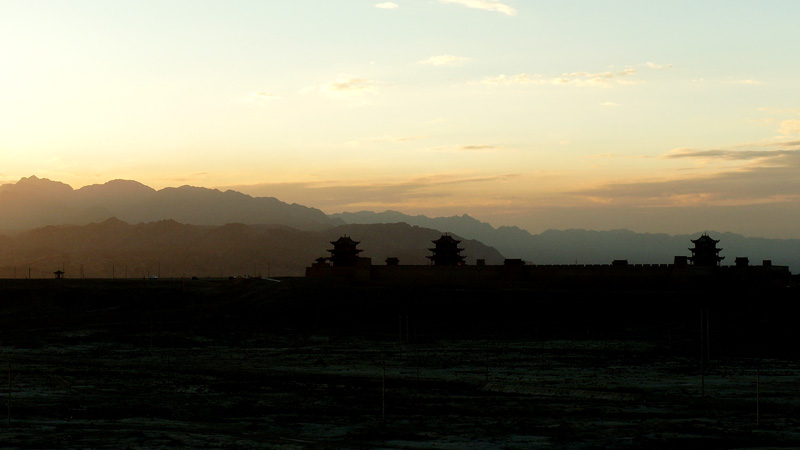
(226, 364)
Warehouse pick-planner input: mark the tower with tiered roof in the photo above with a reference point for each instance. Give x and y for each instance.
(446, 252)
(705, 252)
(344, 252)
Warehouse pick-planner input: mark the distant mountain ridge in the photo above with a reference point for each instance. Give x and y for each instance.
(36, 202)
(166, 248)
(592, 247)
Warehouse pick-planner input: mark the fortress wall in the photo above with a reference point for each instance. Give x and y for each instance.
(464, 275)
(560, 276)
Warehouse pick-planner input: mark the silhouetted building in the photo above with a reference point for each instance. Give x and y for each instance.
(344, 252)
(59, 274)
(701, 269)
(446, 252)
(742, 261)
(705, 252)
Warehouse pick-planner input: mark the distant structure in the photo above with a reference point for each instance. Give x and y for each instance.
(702, 269)
(59, 274)
(742, 261)
(705, 252)
(344, 252)
(446, 252)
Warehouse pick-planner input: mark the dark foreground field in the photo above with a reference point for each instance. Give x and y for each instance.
(309, 364)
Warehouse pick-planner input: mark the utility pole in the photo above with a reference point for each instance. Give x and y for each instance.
(383, 393)
(758, 412)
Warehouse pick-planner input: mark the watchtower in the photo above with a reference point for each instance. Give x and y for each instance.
(344, 252)
(446, 252)
(705, 252)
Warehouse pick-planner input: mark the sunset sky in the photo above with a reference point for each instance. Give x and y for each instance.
(656, 116)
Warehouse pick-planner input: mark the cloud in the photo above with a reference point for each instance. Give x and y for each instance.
(610, 104)
(728, 155)
(488, 5)
(756, 185)
(470, 148)
(762, 176)
(522, 78)
(655, 66)
(435, 192)
(444, 60)
(753, 82)
(479, 147)
(346, 87)
(602, 79)
(389, 139)
(791, 126)
(387, 5)
(795, 111)
(261, 98)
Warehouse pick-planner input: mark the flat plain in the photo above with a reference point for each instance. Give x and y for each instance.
(304, 364)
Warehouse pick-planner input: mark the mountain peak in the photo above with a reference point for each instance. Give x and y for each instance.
(36, 186)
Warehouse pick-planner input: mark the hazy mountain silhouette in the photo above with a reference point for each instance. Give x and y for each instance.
(36, 202)
(592, 247)
(172, 249)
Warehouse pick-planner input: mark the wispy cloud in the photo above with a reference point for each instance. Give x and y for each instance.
(780, 110)
(346, 87)
(387, 5)
(386, 139)
(761, 176)
(655, 66)
(480, 148)
(522, 78)
(789, 144)
(610, 104)
(470, 148)
(600, 79)
(488, 5)
(261, 98)
(752, 82)
(791, 126)
(754, 185)
(729, 155)
(433, 191)
(444, 60)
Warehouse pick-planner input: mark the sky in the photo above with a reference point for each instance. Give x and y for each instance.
(655, 116)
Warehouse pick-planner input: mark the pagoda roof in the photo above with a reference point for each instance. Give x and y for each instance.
(446, 238)
(345, 240)
(705, 238)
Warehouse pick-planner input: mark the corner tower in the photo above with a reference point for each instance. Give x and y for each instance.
(344, 252)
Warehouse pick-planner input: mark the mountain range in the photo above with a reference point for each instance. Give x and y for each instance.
(576, 246)
(167, 248)
(179, 224)
(37, 202)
